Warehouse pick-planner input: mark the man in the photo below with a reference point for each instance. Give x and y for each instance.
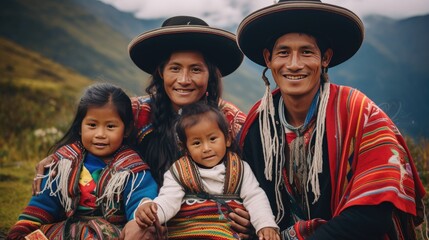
(332, 163)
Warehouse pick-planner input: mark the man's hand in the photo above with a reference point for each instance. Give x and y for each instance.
(133, 231)
(303, 229)
(240, 222)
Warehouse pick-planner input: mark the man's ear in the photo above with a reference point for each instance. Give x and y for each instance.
(267, 57)
(326, 58)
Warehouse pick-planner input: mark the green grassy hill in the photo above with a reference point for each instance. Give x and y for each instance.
(35, 92)
(72, 35)
(36, 96)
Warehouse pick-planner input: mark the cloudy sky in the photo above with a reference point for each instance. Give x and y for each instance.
(229, 13)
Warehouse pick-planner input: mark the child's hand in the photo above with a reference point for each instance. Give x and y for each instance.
(146, 214)
(268, 233)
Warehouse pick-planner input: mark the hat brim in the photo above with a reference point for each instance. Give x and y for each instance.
(148, 49)
(343, 28)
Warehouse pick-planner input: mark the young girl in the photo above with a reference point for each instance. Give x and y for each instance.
(205, 184)
(99, 179)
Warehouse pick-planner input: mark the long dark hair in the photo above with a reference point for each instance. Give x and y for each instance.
(162, 149)
(98, 95)
(192, 114)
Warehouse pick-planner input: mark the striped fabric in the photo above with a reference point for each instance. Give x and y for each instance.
(35, 217)
(370, 161)
(75, 154)
(81, 228)
(142, 116)
(233, 174)
(186, 173)
(233, 115)
(205, 218)
(202, 219)
(125, 159)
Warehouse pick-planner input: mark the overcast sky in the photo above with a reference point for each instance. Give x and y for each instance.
(229, 13)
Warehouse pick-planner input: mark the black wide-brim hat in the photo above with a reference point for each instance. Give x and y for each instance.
(343, 29)
(186, 33)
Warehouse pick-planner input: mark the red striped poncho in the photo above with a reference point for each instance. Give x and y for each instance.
(368, 159)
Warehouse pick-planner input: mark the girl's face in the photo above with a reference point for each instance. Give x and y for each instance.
(186, 78)
(102, 131)
(206, 143)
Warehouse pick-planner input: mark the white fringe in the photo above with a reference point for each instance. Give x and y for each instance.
(115, 187)
(317, 164)
(278, 181)
(113, 190)
(270, 143)
(133, 185)
(270, 147)
(63, 169)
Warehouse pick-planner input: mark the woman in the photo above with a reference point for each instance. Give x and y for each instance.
(186, 59)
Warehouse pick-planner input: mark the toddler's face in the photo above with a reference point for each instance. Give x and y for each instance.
(206, 143)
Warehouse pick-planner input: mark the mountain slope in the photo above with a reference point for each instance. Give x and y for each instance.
(68, 33)
(392, 69)
(92, 38)
(34, 91)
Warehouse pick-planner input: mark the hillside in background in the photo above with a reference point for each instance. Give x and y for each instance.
(392, 68)
(73, 36)
(91, 38)
(37, 102)
(35, 92)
